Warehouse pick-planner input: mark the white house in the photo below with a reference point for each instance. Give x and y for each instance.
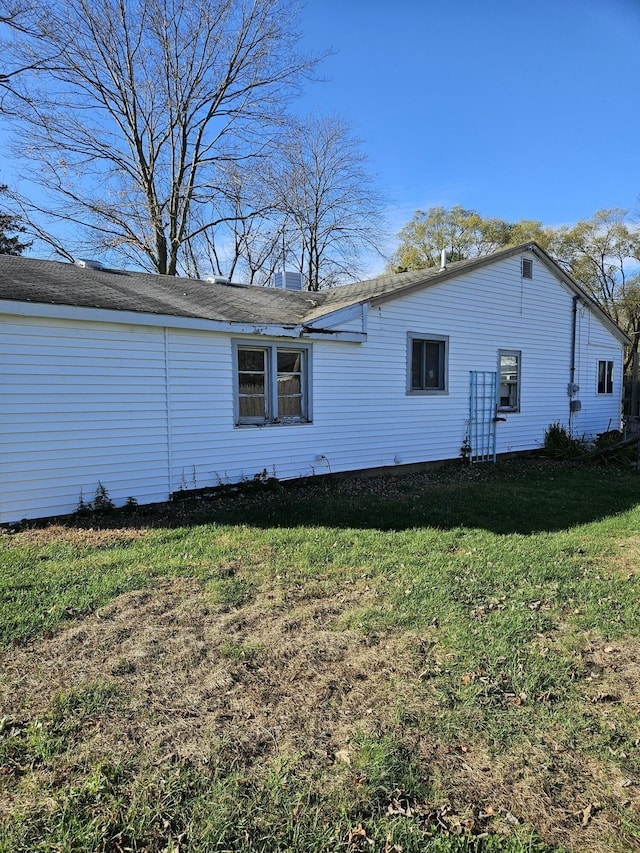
(150, 384)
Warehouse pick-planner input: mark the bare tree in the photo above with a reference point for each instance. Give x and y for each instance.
(145, 108)
(312, 205)
(331, 211)
(12, 20)
(247, 242)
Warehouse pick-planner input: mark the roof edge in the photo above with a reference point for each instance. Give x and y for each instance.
(452, 272)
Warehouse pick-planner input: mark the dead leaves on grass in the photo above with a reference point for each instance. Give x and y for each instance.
(247, 686)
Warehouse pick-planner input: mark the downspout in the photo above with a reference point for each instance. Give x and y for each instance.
(572, 370)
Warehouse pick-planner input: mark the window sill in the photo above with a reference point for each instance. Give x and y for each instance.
(269, 424)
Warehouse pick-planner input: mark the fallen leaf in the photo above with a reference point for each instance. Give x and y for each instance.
(344, 756)
(605, 697)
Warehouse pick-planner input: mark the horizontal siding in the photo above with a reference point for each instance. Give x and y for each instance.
(80, 403)
(88, 402)
(362, 416)
(599, 412)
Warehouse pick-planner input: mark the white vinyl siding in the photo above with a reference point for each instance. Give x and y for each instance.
(80, 405)
(147, 410)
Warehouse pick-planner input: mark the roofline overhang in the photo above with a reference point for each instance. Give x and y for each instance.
(453, 272)
(134, 318)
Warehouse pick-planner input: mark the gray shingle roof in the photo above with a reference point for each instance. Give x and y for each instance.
(56, 283)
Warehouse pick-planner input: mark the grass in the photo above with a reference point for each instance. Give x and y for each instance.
(439, 662)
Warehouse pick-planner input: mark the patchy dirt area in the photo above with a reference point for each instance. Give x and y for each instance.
(261, 679)
(193, 683)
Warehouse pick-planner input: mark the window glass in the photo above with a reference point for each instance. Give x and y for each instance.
(509, 381)
(416, 365)
(271, 384)
(252, 382)
(605, 377)
(428, 365)
(290, 384)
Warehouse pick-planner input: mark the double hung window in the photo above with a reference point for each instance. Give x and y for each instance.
(271, 384)
(509, 363)
(605, 377)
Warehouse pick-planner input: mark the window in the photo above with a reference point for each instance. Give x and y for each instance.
(527, 268)
(509, 379)
(427, 373)
(605, 377)
(271, 384)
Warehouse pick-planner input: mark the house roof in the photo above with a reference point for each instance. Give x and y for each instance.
(55, 283)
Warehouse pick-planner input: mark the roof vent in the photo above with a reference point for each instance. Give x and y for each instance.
(88, 264)
(443, 259)
(288, 280)
(218, 279)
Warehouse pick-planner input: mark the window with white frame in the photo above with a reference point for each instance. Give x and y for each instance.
(271, 384)
(427, 357)
(605, 377)
(509, 364)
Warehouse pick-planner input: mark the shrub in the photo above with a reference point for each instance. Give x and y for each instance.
(560, 444)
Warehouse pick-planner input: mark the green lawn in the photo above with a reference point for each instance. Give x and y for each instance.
(438, 662)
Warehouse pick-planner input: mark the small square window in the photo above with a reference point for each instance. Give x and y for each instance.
(605, 377)
(509, 381)
(527, 268)
(427, 365)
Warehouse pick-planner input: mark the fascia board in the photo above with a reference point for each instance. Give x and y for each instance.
(587, 300)
(134, 318)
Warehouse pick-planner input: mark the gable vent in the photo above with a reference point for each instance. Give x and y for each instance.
(527, 268)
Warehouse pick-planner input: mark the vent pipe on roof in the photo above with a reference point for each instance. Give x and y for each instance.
(443, 259)
(88, 264)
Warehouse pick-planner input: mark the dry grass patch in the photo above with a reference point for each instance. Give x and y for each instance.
(82, 537)
(244, 687)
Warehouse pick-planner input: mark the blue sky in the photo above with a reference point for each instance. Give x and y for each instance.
(515, 109)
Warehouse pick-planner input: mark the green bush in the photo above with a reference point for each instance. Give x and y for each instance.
(560, 444)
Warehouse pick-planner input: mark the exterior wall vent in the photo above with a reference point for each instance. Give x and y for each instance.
(288, 280)
(527, 268)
